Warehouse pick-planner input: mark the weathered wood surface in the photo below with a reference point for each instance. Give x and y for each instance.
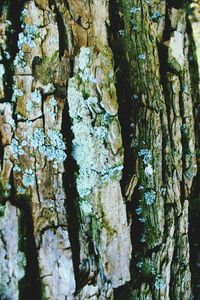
(99, 149)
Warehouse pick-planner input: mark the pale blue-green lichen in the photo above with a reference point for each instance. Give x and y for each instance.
(52, 110)
(34, 101)
(142, 56)
(135, 9)
(8, 186)
(53, 102)
(142, 240)
(24, 13)
(86, 208)
(84, 65)
(21, 190)
(150, 197)
(16, 93)
(25, 38)
(142, 220)
(97, 165)
(145, 154)
(140, 187)
(159, 282)
(139, 264)
(138, 210)
(50, 146)
(155, 16)
(148, 170)
(84, 58)
(36, 96)
(16, 148)
(28, 178)
(16, 169)
(2, 71)
(7, 55)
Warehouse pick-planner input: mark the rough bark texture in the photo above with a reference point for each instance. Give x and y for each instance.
(99, 149)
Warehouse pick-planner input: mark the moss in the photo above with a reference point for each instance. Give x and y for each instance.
(174, 66)
(97, 223)
(4, 191)
(96, 230)
(21, 108)
(104, 221)
(2, 210)
(45, 68)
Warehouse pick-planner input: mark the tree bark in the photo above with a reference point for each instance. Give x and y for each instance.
(99, 149)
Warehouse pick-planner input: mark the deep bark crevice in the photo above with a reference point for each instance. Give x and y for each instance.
(194, 239)
(14, 13)
(30, 286)
(69, 183)
(14, 9)
(194, 207)
(124, 92)
(1, 152)
(61, 31)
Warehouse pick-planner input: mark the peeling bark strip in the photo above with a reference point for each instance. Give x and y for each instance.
(99, 149)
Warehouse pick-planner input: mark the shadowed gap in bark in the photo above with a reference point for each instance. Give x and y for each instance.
(14, 12)
(1, 152)
(14, 9)
(123, 90)
(1, 6)
(30, 286)
(69, 182)
(194, 238)
(63, 44)
(127, 116)
(194, 207)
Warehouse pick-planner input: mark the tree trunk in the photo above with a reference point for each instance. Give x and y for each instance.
(99, 149)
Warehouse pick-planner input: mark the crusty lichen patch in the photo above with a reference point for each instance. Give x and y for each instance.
(92, 124)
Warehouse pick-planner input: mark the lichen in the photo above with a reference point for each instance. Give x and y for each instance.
(16, 93)
(135, 9)
(21, 190)
(16, 148)
(150, 197)
(2, 71)
(34, 101)
(159, 283)
(138, 210)
(84, 65)
(28, 178)
(51, 146)
(25, 39)
(145, 154)
(86, 208)
(155, 16)
(142, 56)
(96, 163)
(16, 169)
(148, 170)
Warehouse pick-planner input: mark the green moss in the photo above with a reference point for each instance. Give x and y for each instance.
(99, 222)
(44, 69)
(4, 191)
(2, 210)
(174, 66)
(104, 221)
(96, 230)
